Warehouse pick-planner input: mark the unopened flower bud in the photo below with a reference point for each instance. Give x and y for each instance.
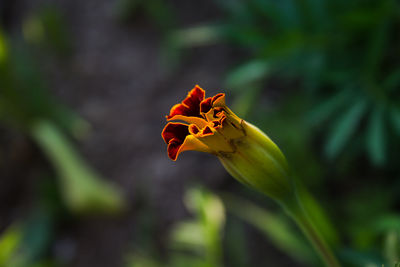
(245, 151)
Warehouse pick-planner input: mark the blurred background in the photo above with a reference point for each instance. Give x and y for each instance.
(84, 87)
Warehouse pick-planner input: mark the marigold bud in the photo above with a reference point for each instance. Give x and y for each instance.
(245, 151)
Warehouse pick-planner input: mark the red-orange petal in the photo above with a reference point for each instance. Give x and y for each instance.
(174, 135)
(208, 103)
(175, 130)
(207, 131)
(190, 106)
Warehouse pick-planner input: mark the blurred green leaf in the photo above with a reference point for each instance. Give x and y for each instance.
(319, 216)
(276, 228)
(208, 206)
(329, 107)
(25, 245)
(386, 223)
(392, 246)
(203, 235)
(247, 74)
(196, 36)
(188, 235)
(3, 47)
(10, 240)
(376, 138)
(83, 189)
(332, 47)
(344, 128)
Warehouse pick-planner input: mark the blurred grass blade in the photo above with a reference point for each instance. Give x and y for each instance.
(207, 206)
(196, 36)
(83, 190)
(376, 140)
(275, 228)
(344, 128)
(10, 240)
(210, 213)
(247, 74)
(387, 222)
(327, 108)
(392, 246)
(318, 216)
(188, 236)
(202, 236)
(3, 47)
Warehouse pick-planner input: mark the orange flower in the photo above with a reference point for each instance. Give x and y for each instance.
(248, 154)
(209, 125)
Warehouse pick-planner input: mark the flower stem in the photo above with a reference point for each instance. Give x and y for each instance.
(295, 209)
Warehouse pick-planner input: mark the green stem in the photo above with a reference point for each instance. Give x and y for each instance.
(296, 210)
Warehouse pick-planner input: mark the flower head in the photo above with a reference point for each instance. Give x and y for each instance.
(208, 125)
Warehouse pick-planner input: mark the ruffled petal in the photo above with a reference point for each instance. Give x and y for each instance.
(175, 130)
(178, 138)
(190, 106)
(216, 101)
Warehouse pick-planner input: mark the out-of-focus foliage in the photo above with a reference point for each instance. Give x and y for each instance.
(196, 242)
(276, 228)
(200, 241)
(82, 188)
(26, 105)
(47, 30)
(27, 243)
(158, 11)
(9, 242)
(343, 55)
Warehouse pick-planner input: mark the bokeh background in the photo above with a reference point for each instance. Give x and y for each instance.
(84, 88)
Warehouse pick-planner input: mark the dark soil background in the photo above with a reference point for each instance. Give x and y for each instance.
(120, 82)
